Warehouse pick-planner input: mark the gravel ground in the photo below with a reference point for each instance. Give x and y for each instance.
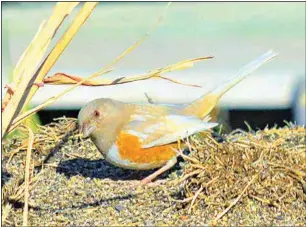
(76, 186)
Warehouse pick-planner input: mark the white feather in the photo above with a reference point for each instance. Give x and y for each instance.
(180, 127)
(140, 135)
(114, 158)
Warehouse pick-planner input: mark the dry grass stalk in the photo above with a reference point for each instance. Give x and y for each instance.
(195, 172)
(24, 73)
(79, 20)
(27, 178)
(71, 126)
(224, 170)
(194, 199)
(59, 48)
(18, 192)
(185, 157)
(19, 119)
(155, 73)
(6, 211)
(16, 74)
(150, 100)
(276, 188)
(235, 201)
(131, 48)
(62, 78)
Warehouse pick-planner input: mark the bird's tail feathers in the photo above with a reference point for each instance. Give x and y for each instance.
(202, 106)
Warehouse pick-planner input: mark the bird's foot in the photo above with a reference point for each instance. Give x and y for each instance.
(153, 184)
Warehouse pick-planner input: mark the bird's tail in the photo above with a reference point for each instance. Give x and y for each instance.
(201, 107)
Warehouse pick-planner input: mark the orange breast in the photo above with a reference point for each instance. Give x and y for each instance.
(129, 148)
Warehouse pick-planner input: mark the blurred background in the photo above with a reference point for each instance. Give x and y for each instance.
(234, 33)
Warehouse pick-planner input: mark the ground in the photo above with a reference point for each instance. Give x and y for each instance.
(242, 178)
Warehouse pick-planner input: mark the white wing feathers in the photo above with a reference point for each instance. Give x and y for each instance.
(154, 131)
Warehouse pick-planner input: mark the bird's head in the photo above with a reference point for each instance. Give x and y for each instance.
(97, 113)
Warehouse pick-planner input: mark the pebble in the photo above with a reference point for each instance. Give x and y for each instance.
(119, 207)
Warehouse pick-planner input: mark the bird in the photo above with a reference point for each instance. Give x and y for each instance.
(146, 136)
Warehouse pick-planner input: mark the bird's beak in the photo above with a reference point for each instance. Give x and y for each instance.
(87, 129)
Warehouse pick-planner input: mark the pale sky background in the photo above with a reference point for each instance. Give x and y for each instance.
(234, 33)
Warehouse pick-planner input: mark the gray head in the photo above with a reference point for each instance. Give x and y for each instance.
(98, 113)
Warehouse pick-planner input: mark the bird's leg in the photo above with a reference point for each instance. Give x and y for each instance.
(163, 169)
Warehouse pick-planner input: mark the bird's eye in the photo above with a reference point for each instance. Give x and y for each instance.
(96, 113)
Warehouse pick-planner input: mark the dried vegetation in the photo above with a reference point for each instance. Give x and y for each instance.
(243, 178)
(55, 177)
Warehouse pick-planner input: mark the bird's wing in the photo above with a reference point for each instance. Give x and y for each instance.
(155, 130)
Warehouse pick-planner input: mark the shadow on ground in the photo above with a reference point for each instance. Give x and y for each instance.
(101, 169)
(5, 177)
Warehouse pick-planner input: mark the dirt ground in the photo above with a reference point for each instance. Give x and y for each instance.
(242, 178)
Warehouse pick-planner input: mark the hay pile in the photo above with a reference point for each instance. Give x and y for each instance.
(237, 179)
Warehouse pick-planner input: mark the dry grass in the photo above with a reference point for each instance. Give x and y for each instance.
(267, 167)
(21, 91)
(33, 67)
(27, 178)
(248, 179)
(29, 65)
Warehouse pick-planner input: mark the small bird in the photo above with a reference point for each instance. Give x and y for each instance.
(145, 136)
